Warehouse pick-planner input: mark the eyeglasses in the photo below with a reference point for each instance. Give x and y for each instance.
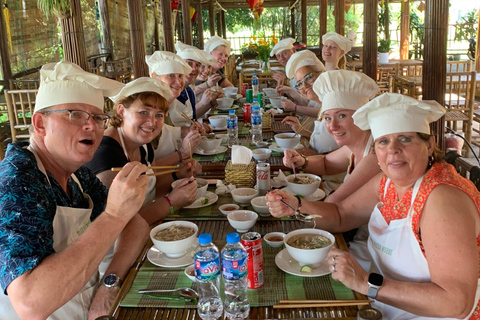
(308, 79)
(80, 118)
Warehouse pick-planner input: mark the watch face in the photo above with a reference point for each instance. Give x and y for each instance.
(375, 279)
(110, 279)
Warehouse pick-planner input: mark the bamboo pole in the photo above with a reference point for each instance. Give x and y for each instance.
(200, 24)
(73, 39)
(477, 49)
(435, 55)
(4, 49)
(224, 24)
(292, 21)
(303, 6)
(370, 24)
(211, 17)
(219, 23)
(137, 42)
(166, 8)
(405, 30)
(340, 17)
(322, 10)
(105, 26)
(187, 26)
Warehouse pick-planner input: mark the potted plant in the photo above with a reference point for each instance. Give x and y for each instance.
(383, 50)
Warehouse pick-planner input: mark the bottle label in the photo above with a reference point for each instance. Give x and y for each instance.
(257, 120)
(234, 270)
(207, 270)
(232, 123)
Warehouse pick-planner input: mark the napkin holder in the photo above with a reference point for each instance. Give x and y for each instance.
(240, 175)
(267, 119)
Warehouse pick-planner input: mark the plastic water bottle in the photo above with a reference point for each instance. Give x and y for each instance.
(207, 277)
(232, 127)
(256, 122)
(234, 271)
(255, 85)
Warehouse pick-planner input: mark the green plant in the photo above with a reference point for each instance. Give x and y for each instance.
(262, 47)
(465, 28)
(384, 45)
(57, 7)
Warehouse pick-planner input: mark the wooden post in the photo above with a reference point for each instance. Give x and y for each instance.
(200, 24)
(178, 26)
(292, 21)
(387, 21)
(4, 49)
(137, 41)
(156, 35)
(105, 24)
(224, 24)
(322, 11)
(370, 24)
(340, 17)
(405, 30)
(73, 39)
(303, 4)
(211, 17)
(167, 21)
(477, 49)
(434, 57)
(187, 26)
(219, 23)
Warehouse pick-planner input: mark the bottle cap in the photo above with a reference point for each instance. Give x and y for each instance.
(231, 112)
(254, 75)
(205, 238)
(233, 237)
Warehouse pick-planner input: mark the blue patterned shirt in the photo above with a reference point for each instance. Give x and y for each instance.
(27, 208)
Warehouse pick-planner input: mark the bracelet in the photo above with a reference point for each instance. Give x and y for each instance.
(174, 176)
(180, 158)
(206, 83)
(299, 202)
(296, 107)
(305, 164)
(170, 204)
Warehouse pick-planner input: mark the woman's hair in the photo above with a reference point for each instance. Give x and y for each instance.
(437, 154)
(150, 99)
(222, 45)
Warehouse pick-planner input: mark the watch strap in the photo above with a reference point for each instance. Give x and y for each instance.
(375, 282)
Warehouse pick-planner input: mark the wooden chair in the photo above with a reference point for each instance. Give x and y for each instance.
(23, 84)
(459, 66)
(464, 167)
(20, 106)
(403, 86)
(384, 78)
(460, 101)
(410, 69)
(231, 71)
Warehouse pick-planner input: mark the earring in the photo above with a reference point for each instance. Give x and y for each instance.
(430, 160)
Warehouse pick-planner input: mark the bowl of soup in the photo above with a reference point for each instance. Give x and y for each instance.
(244, 195)
(276, 102)
(303, 184)
(269, 92)
(225, 103)
(242, 220)
(227, 208)
(210, 144)
(259, 204)
(219, 121)
(261, 154)
(230, 90)
(287, 140)
(309, 246)
(274, 239)
(174, 238)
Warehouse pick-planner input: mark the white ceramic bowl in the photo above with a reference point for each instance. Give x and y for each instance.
(190, 272)
(218, 121)
(276, 102)
(177, 248)
(230, 90)
(231, 96)
(261, 154)
(303, 189)
(244, 195)
(261, 144)
(242, 220)
(210, 145)
(222, 136)
(287, 140)
(274, 239)
(225, 103)
(229, 207)
(202, 186)
(310, 257)
(259, 204)
(270, 92)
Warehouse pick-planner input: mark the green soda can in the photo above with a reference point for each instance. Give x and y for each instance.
(249, 95)
(260, 99)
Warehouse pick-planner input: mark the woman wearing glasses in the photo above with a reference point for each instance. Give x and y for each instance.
(334, 48)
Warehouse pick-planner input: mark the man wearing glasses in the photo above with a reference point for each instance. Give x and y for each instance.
(56, 221)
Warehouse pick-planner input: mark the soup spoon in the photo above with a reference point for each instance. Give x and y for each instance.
(185, 292)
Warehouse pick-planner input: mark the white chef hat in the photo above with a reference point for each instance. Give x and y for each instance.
(281, 45)
(144, 84)
(343, 43)
(214, 42)
(192, 53)
(65, 82)
(344, 89)
(393, 113)
(165, 62)
(302, 59)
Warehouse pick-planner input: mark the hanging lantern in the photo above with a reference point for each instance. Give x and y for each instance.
(252, 3)
(421, 6)
(255, 15)
(192, 12)
(194, 18)
(260, 10)
(174, 4)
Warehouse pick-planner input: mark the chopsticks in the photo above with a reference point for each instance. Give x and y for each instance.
(201, 129)
(320, 303)
(173, 169)
(191, 157)
(304, 124)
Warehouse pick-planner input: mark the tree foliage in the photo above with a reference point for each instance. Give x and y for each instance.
(466, 26)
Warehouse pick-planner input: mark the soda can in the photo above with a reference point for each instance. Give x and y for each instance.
(244, 89)
(249, 95)
(263, 178)
(252, 241)
(260, 99)
(246, 112)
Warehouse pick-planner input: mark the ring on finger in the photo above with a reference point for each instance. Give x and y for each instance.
(333, 259)
(333, 268)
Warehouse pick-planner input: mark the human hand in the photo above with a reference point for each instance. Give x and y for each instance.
(102, 301)
(287, 90)
(346, 269)
(207, 97)
(191, 140)
(184, 193)
(213, 79)
(293, 157)
(127, 191)
(276, 207)
(185, 168)
(293, 122)
(287, 105)
(279, 77)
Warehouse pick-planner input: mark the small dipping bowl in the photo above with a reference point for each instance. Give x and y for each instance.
(259, 204)
(242, 220)
(229, 207)
(261, 154)
(274, 239)
(190, 272)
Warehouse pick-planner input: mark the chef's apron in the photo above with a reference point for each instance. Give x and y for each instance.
(358, 246)
(68, 224)
(396, 254)
(170, 140)
(175, 112)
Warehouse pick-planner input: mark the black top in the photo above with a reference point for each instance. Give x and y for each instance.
(110, 155)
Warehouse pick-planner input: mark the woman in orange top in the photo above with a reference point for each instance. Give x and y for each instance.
(425, 225)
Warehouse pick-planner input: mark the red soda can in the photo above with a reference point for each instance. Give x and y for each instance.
(244, 89)
(246, 112)
(252, 241)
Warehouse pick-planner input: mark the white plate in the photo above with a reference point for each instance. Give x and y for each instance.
(235, 106)
(316, 196)
(220, 149)
(211, 196)
(286, 263)
(275, 147)
(159, 258)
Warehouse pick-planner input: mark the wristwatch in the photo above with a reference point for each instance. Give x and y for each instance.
(375, 282)
(112, 280)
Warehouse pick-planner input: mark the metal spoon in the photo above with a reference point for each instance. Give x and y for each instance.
(300, 216)
(185, 292)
